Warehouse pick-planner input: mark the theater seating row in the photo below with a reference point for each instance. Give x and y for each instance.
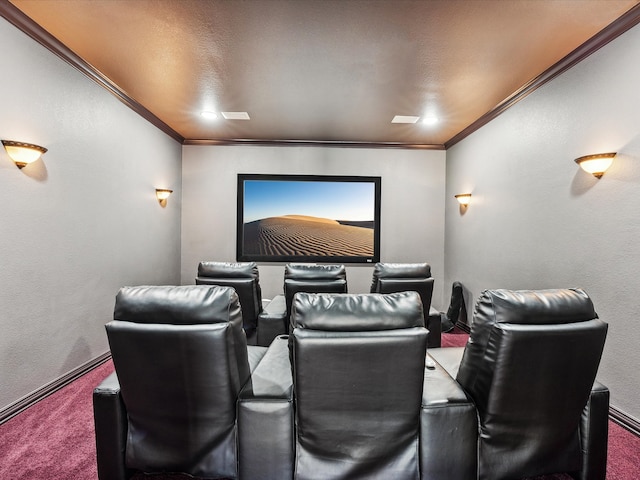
(275, 320)
(351, 392)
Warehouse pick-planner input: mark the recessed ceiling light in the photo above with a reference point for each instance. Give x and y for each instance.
(236, 115)
(404, 119)
(430, 120)
(208, 114)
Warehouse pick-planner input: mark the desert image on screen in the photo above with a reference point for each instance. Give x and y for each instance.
(308, 218)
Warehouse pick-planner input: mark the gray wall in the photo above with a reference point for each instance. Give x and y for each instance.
(537, 221)
(84, 221)
(412, 213)
(79, 223)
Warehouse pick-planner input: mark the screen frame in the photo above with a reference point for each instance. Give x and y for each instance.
(242, 256)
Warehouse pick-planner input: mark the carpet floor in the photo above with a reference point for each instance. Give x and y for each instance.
(54, 439)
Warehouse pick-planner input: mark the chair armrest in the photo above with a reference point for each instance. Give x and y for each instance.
(255, 355)
(272, 321)
(448, 429)
(434, 325)
(448, 358)
(265, 418)
(594, 430)
(110, 418)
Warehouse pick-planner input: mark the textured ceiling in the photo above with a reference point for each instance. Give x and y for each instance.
(322, 71)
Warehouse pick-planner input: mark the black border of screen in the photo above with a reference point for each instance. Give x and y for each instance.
(242, 257)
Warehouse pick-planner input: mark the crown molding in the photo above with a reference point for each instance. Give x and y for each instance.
(312, 143)
(16, 17)
(616, 28)
(21, 21)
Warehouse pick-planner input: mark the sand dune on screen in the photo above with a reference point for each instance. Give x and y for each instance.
(304, 235)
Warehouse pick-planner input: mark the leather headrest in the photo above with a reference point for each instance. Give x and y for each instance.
(403, 283)
(228, 270)
(357, 312)
(402, 270)
(181, 305)
(301, 271)
(543, 307)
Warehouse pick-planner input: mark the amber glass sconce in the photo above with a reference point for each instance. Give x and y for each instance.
(463, 199)
(22, 153)
(596, 164)
(162, 194)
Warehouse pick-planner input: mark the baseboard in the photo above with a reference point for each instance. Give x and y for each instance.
(14, 409)
(25, 402)
(624, 420)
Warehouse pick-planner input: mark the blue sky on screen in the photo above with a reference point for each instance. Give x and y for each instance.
(334, 200)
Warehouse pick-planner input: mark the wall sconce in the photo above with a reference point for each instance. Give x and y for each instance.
(596, 164)
(23, 153)
(162, 194)
(463, 198)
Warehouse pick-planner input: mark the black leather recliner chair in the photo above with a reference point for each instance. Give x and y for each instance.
(298, 277)
(530, 366)
(180, 359)
(244, 278)
(402, 277)
(365, 405)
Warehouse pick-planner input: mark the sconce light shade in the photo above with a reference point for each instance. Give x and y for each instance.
(463, 198)
(596, 164)
(162, 194)
(23, 153)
